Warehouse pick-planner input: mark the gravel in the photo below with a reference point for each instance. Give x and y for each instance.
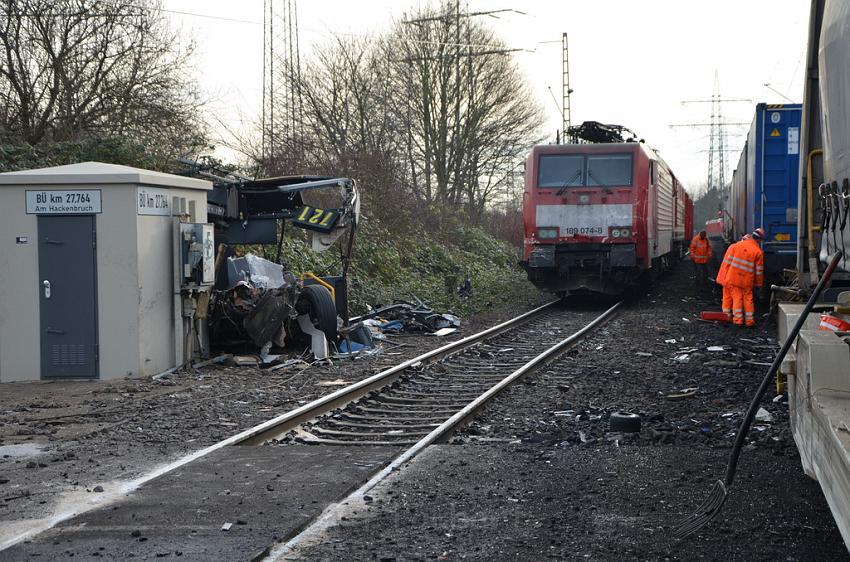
(78, 436)
(539, 474)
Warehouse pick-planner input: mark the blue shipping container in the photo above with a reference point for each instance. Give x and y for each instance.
(764, 185)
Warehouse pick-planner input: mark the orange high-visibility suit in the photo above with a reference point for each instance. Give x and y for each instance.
(744, 270)
(721, 280)
(700, 250)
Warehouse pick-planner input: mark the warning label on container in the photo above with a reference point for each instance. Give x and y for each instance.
(793, 140)
(775, 133)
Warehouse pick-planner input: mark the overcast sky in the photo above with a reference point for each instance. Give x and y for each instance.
(631, 63)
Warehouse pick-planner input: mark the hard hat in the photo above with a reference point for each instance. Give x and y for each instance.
(758, 233)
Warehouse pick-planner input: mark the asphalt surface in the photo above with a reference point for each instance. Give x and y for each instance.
(229, 505)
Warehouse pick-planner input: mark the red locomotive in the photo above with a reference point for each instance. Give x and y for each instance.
(603, 215)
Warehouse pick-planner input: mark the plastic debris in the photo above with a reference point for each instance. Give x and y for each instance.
(670, 341)
(255, 270)
(764, 416)
(226, 526)
(335, 382)
(683, 358)
(720, 363)
(643, 354)
(410, 317)
(351, 347)
(444, 332)
(716, 348)
(689, 392)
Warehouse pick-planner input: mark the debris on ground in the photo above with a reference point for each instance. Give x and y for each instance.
(335, 382)
(682, 394)
(403, 316)
(764, 416)
(245, 312)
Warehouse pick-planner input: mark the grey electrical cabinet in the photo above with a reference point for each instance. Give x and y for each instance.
(197, 254)
(87, 269)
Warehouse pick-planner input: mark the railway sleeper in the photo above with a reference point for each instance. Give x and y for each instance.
(309, 439)
(447, 413)
(462, 393)
(457, 395)
(344, 423)
(449, 389)
(395, 433)
(421, 401)
(439, 419)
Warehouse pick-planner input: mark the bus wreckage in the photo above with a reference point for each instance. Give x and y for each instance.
(257, 302)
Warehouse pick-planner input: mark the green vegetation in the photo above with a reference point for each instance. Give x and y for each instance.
(112, 150)
(388, 267)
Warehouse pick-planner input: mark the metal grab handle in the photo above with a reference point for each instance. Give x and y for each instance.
(46, 284)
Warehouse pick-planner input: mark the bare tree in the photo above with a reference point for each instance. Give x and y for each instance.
(434, 115)
(72, 69)
(468, 111)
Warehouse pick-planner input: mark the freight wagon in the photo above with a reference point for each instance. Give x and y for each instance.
(601, 217)
(764, 184)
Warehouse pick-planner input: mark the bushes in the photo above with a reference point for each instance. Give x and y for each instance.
(389, 267)
(112, 150)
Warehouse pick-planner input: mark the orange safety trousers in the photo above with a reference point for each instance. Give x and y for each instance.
(743, 306)
(727, 302)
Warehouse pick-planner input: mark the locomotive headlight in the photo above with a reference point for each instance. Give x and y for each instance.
(615, 233)
(625, 233)
(620, 232)
(547, 233)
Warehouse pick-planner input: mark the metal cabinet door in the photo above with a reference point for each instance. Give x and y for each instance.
(68, 296)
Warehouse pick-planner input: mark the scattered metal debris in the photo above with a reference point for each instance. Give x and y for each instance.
(409, 317)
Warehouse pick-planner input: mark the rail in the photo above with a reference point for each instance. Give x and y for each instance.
(439, 434)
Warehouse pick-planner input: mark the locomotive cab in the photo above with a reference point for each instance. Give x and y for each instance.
(599, 216)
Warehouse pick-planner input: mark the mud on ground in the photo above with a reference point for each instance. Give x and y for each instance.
(539, 475)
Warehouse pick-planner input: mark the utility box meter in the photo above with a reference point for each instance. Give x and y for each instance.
(197, 254)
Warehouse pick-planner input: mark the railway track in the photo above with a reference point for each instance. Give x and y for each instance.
(404, 403)
(410, 409)
(425, 396)
(397, 413)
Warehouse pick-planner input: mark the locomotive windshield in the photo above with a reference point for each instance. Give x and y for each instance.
(580, 170)
(560, 170)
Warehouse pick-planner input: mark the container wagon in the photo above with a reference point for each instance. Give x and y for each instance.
(817, 367)
(764, 185)
(600, 217)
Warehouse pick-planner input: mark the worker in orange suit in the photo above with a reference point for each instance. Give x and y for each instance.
(700, 250)
(743, 270)
(720, 279)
